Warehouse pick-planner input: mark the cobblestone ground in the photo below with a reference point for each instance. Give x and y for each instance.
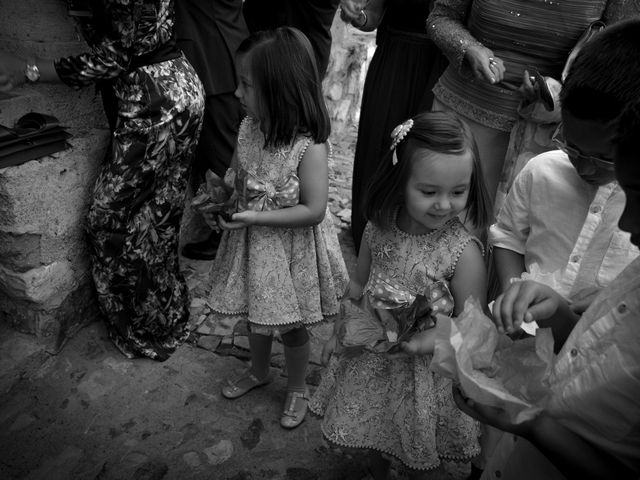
(88, 413)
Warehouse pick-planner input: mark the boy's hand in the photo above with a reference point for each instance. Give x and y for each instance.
(581, 300)
(328, 349)
(494, 416)
(524, 302)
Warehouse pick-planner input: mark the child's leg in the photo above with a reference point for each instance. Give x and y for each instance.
(260, 346)
(296, 355)
(258, 374)
(379, 466)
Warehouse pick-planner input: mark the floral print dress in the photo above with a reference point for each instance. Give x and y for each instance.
(139, 195)
(278, 278)
(396, 405)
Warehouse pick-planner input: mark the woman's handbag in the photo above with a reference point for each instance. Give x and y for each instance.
(33, 136)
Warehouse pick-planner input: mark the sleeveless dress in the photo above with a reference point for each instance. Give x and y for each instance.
(275, 277)
(397, 406)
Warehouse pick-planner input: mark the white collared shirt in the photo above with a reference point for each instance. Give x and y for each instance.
(557, 220)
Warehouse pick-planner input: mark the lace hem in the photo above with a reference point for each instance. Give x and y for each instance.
(413, 466)
(471, 111)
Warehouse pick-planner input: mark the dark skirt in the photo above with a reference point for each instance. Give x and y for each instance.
(404, 69)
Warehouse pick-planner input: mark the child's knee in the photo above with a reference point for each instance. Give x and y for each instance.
(296, 337)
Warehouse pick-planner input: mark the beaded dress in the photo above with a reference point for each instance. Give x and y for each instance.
(276, 277)
(396, 405)
(523, 33)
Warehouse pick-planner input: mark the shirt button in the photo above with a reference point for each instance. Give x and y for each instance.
(574, 352)
(596, 209)
(498, 473)
(622, 308)
(575, 258)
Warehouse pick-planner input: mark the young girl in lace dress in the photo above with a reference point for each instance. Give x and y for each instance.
(279, 262)
(414, 244)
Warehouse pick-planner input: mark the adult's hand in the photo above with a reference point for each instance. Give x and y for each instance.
(350, 10)
(524, 302)
(484, 65)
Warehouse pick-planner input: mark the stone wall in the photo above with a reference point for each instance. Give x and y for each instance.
(45, 284)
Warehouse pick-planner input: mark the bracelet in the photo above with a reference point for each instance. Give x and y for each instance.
(360, 25)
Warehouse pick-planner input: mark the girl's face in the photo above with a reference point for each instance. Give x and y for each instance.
(245, 91)
(437, 190)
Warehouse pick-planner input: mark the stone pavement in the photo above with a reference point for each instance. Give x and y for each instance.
(89, 413)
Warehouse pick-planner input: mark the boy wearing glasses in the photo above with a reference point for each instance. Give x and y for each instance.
(560, 216)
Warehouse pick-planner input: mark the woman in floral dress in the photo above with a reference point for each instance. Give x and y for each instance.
(154, 102)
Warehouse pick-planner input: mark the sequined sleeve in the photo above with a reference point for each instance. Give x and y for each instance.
(446, 27)
(618, 10)
(135, 28)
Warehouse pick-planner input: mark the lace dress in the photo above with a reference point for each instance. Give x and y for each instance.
(398, 406)
(276, 277)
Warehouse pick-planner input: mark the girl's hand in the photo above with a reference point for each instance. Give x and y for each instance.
(328, 349)
(484, 65)
(211, 219)
(494, 416)
(422, 343)
(524, 302)
(239, 220)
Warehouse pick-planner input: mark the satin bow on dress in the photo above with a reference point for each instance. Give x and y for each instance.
(263, 195)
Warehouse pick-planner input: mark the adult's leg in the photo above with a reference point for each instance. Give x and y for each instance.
(134, 219)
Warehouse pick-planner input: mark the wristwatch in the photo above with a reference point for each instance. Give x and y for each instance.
(31, 72)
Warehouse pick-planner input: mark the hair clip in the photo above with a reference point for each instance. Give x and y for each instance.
(398, 135)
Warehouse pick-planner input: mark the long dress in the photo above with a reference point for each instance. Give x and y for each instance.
(278, 278)
(402, 72)
(154, 103)
(398, 406)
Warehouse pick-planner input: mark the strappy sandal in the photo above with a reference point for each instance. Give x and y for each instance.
(295, 409)
(234, 388)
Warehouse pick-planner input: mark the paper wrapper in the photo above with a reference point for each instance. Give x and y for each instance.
(491, 368)
(382, 330)
(215, 196)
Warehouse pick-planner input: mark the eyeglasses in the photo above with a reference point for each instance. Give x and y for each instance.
(575, 154)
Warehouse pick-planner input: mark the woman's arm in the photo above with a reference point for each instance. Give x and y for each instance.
(446, 26)
(313, 172)
(469, 278)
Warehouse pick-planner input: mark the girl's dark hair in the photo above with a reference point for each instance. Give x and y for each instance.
(287, 85)
(439, 132)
